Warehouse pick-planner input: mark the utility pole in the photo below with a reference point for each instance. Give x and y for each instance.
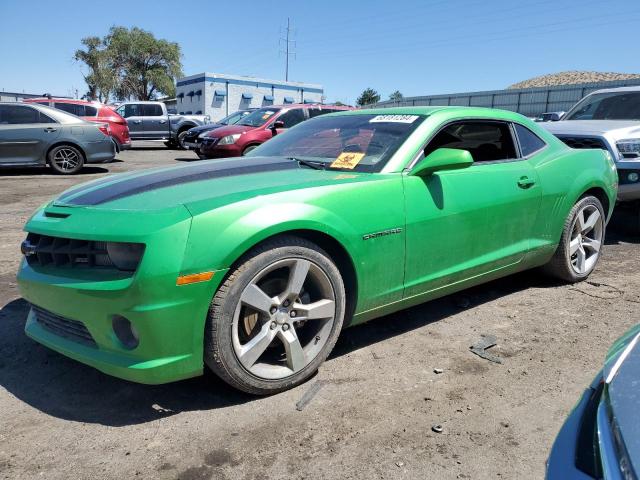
(287, 51)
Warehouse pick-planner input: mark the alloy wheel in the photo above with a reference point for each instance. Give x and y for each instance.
(283, 319)
(66, 159)
(586, 239)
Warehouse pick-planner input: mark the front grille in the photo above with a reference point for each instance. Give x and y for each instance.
(584, 142)
(43, 250)
(64, 327)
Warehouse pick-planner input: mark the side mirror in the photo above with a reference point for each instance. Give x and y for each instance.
(277, 124)
(557, 116)
(442, 159)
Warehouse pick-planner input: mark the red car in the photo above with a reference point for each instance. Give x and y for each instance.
(258, 127)
(92, 112)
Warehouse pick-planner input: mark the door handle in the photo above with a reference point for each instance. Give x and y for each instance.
(50, 129)
(137, 121)
(163, 121)
(526, 182)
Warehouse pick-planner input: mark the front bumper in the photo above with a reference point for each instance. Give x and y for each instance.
(169, 328)
(220, 151)
(169, 318)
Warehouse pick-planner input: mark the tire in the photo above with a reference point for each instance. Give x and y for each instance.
(248, 149)
(281, 276)
(180, 140)
(583, 232)
(65, 160)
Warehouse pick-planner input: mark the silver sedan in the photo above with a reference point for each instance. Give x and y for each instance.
(32, 135)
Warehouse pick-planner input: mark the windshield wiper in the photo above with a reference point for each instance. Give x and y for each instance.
(309, 163)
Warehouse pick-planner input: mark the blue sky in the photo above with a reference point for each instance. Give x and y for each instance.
(416, 46)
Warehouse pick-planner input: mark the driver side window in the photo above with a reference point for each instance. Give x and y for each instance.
(486, 141)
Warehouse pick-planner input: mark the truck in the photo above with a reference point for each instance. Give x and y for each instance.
(150, 120)
(608, 119)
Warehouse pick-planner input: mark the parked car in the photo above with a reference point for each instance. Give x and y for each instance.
(32, 134)
(550, 117)
(610, 120)
(191, 140)
(151, 121)
(258, 127)
(601, 437)
(92, 112)
(253, 266)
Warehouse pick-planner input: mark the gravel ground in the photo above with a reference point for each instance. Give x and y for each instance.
(376, 398)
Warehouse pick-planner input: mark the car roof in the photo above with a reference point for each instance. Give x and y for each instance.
(471, 111)
(63, 100)
(618, 89)
(308, 105)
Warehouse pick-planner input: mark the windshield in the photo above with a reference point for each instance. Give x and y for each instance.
(344, 142)
(258, 117)
(607, 106)
(234, 117)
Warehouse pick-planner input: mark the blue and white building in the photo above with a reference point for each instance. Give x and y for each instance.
(219, 95)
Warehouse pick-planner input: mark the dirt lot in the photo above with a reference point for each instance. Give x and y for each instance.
(378, 399)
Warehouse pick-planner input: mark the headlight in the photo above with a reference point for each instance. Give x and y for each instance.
(125, 256)
(629, 147)
(229, 139)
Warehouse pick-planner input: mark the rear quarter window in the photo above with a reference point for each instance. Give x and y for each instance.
(530, 143)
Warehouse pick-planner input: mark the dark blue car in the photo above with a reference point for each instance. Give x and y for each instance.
(601, 437)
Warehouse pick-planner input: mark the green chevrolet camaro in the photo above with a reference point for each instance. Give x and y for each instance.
(252, 266)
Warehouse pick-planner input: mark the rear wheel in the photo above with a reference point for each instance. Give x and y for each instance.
(276, 317)
(65, 160)
(581, 242)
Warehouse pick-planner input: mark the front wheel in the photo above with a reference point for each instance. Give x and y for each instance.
(581, 242)
(276, 317)
(65, 160)
(180, 140)
(248, 149)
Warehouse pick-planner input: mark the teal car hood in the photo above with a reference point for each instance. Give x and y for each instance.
(214, 183)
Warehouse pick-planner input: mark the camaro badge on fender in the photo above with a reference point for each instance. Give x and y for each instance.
(383, 233)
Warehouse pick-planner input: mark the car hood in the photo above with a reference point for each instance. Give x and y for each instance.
(208, 184)
(205, 128)
(619, 129)
(622, 372)
(230, 130)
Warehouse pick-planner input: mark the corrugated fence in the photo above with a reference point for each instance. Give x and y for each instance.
(527, 101)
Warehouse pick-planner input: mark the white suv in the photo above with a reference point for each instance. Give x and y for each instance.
(607, 119)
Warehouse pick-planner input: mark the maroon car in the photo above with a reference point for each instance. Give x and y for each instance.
(258, 127)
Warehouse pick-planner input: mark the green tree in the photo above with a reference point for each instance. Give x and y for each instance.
(396, 96)
(367, 97)
(101, 78)
(129, 63)
(145, 66)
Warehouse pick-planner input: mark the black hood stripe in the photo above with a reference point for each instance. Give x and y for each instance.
(178, 176)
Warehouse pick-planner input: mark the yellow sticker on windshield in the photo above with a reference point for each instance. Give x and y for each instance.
(347, 160)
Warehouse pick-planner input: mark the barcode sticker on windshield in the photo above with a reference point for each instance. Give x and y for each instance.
(394, 118)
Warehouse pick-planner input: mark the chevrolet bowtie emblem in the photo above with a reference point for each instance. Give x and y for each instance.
(27, 248)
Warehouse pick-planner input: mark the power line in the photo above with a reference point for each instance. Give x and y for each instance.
(287, 51)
